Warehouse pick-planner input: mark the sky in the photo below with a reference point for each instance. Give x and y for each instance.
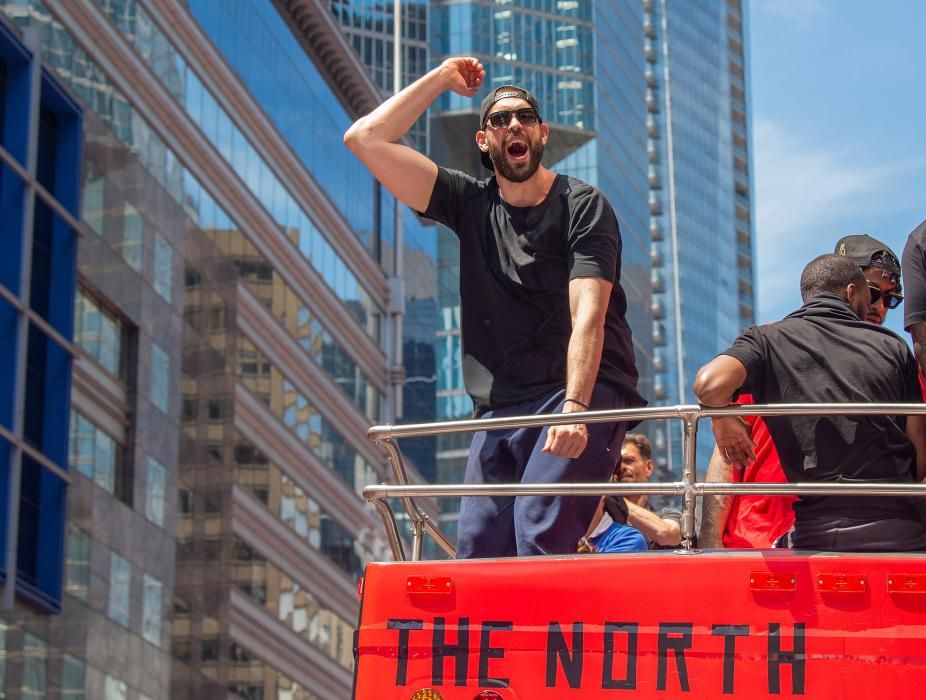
(838, 91)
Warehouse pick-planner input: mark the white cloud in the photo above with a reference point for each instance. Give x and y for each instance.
(802, 192)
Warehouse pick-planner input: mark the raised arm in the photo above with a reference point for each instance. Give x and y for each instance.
(588, 302)
(406, 173)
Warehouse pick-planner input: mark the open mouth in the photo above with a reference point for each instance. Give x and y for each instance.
(517, 150)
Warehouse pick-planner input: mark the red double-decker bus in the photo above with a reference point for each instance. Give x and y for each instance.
(661, 624)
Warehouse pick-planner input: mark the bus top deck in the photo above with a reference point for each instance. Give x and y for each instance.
(683, 623)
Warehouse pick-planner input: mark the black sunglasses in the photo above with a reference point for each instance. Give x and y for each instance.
(527, 116)
(891, 299)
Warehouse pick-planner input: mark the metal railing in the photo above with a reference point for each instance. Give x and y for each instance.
(688, 488)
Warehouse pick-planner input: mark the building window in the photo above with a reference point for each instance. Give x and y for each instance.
(37, 385)
(77, 564)
(100, 333)
(120, 583)
(92, 212)
(151, 610)
(132, 236)
(156, 492)
(163, 267)
(114, 689)
(73, 672)
(160, 377)
(97, 456)
(35, 660)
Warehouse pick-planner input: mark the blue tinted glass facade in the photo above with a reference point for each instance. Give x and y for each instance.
(615, 159)
(547, 46)
(274, 67)
(40, 246)
(699, 197)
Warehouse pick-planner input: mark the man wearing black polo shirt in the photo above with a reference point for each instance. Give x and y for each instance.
(825, 353)
(543, 325)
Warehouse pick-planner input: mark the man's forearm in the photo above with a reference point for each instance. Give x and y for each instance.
(583, 360)
(662, 531)
(716, 509)
(588, 301)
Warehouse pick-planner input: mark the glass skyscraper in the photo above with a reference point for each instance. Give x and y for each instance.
(200, 370)
(699, 196)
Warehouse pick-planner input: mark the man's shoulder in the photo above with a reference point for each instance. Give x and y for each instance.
(577, 189)
(459, 177)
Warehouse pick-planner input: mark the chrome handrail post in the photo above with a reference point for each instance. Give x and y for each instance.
(689, 476)
(441, 539)
(417, 540)
(392, 530)
(400, 473)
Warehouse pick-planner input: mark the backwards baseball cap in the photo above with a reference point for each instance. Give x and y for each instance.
(866, 251)
(494, 96)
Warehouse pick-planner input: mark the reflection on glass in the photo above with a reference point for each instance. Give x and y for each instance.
(269, 286)
(156, 492)
(285, 499)
(257, 174)
(163, 267)
(35, 655)
(151, 610)
(72, 678)
(77, 563)
(132, 236)
(114, 689)
(91, 209)
(301, 416)
(99, 333)
(160, 377)
(251, 679)
(120, 576)
(293, 605)
(95, 454)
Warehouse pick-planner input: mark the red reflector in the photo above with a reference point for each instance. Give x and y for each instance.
(440, 585)
(765, 581)
(360, 588)
(489, 695)
(841, 583)
(906, 583)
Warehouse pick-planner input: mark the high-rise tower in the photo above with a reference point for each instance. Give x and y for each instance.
(699, 195)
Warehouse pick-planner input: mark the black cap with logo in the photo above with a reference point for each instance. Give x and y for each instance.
(866, 251)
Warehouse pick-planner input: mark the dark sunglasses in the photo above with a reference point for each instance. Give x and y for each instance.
(526, 117)
(891, 299)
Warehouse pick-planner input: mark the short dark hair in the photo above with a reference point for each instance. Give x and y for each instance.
(641, 442)
(829, 273)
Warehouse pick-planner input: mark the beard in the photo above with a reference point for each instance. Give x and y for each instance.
(516, 172)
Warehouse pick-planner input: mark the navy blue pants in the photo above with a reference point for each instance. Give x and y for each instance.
(525, 525)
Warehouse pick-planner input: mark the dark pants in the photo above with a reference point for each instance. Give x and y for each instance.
(524, 525)
(857, 534)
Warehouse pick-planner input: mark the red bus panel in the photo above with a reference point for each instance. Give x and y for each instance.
(755, 624)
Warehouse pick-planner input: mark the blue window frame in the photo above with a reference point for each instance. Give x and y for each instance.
(42, 135)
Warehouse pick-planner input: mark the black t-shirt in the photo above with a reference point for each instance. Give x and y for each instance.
(515, 268)
(914, 277)
(823, 353)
